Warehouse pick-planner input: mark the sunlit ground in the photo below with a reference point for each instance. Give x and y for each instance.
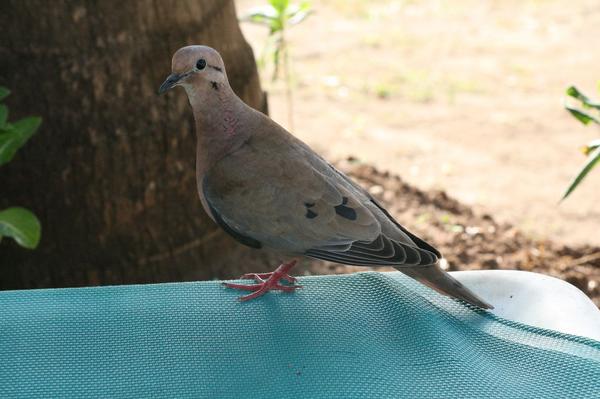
(465, 96)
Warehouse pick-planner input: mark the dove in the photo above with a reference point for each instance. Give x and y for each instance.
(268, 189)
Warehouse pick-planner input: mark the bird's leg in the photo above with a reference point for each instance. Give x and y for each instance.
(267, 281)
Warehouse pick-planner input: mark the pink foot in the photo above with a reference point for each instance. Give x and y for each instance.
(267, 282)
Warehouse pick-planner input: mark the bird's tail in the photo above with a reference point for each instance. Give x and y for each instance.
(434, 277)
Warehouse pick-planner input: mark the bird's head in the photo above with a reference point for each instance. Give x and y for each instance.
(195, 68)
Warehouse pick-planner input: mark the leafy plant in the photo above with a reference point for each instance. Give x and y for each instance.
(15, 222)
(584, 113)
(278, 16)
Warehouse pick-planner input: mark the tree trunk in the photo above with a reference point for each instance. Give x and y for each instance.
(110, 172)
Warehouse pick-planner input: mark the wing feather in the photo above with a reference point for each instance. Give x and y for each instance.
(380, 252)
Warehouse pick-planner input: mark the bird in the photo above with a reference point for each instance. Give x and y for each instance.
(268, 189)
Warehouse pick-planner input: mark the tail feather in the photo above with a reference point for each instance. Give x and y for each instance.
(434, 277)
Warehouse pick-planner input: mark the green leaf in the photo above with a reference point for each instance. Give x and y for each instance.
(276, 27)
(591, 146)
(299, 17)
(298, 12)
(4, 92)
(22, 225)
(263, 15)
(3, 115)
(260, 19)
(587, 102)
(280, 5)
(592, 161)
(305, 5)
(28, 125)
(16, 136)
(581, 116)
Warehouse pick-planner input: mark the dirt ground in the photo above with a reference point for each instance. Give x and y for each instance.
(463, 96)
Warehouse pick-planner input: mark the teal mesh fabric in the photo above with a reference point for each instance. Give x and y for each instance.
(366, 335)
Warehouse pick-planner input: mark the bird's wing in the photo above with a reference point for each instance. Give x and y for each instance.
(393, 246)
(276, 191)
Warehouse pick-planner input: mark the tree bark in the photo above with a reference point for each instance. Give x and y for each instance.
(110, 173)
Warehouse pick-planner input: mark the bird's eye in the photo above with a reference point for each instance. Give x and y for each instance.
(201, 64)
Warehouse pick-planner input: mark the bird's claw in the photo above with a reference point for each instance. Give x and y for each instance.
(266, 282)
(262, 277)
(246, 287)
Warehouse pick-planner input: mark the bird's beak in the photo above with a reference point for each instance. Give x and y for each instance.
(169, 83)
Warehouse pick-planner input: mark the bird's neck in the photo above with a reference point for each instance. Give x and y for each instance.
(219, 126)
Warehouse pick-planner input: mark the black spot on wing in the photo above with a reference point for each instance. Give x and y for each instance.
(310, 214)
(345, 211)
(428, 252)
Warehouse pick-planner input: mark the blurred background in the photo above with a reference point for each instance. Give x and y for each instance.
(452, 113)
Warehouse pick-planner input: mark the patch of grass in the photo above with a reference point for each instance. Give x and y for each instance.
(383, 90)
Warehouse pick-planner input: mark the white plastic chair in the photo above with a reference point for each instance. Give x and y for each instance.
(535, 299)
